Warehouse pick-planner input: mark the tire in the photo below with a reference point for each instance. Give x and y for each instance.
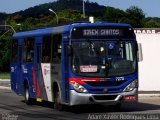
(57, 101)
(28, 100)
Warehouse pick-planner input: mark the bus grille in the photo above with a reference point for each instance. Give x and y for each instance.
(101, 90)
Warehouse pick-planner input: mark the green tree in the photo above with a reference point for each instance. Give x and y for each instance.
(152, 24)
(18, 18)
(5, 53)
(113, 15)
(69, 15)
(134, 16)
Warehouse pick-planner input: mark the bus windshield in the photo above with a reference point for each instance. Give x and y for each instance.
(104, 58)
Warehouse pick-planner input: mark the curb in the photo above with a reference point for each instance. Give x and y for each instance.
(149, 95)
(4, 79)
(5, 88)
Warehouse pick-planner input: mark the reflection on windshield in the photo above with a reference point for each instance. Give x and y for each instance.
(104, 59)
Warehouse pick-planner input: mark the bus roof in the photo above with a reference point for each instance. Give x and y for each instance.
(62, 29)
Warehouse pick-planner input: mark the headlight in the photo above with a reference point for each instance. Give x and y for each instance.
(78, 87)
(131, 86)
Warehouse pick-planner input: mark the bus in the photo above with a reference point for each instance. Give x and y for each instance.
(76, 64)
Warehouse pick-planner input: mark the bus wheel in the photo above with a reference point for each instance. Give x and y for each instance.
(28, 100)
(57, 103)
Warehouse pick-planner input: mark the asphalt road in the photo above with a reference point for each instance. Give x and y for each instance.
(13, 107)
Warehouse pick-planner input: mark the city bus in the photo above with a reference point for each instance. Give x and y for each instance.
(76, 64)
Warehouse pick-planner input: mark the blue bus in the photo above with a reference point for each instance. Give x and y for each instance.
(75, 64)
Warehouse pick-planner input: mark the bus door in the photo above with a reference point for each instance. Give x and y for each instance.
(65, 69)
(58, 67)
(45, 79)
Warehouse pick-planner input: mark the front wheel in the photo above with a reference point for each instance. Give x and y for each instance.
(57, 101)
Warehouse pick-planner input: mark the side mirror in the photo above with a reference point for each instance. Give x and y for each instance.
(140, 54)
(70, 50)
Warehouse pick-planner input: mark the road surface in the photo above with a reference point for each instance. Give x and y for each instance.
(13, 107)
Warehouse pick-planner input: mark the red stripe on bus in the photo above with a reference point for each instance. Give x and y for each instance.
(83, 80)
(35, 83)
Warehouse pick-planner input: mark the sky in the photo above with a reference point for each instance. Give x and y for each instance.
(151, 8)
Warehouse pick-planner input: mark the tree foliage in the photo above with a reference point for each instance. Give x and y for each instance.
(113, 14)
(5, 53)
(132, 15)
(152, 22)
(135, 16)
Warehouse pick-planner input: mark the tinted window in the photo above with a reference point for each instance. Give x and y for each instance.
(29, 50)
(46, 49)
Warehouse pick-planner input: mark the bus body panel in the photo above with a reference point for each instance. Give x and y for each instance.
(14, 73)
(46, 77)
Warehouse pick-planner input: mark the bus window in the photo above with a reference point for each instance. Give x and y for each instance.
(39, 54)
(46, 49)
(14, 51)
(29, 50)
(57, 48)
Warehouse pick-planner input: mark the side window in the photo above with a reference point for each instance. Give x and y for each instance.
(57, 48)
(46, 49)
(14, 56)
(29, 50)
(39, 56)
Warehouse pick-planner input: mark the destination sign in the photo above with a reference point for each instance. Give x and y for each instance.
(102, 32)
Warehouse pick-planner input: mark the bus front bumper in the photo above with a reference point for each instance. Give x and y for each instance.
(109, 99)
